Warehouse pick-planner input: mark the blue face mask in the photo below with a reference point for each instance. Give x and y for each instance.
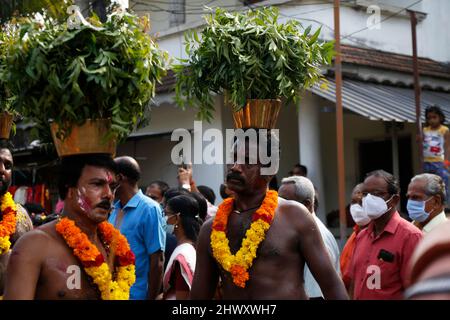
(416, 210)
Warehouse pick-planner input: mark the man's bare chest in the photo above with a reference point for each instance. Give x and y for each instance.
(63, 277)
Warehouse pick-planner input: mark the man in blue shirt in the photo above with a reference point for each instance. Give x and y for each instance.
(140, 220)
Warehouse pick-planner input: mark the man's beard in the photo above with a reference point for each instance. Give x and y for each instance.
(4, 186)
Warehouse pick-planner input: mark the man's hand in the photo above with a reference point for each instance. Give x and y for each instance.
(185, 179)
(185, 176)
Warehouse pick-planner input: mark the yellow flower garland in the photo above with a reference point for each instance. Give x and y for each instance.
(94, 262)
(8, 223)
(239, 263)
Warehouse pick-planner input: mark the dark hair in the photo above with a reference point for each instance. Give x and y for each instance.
(208, 193)
(72, 166)
(222, 191)
(6, 144)
(303, 168)
(128, 169)
(188, 209)
(393, 186)
(202, 204)
(173, 192)
(435, 109)
(33, 207)
(162, 186)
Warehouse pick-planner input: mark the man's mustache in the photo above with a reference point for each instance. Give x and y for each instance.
(105, 204)
(235, 176)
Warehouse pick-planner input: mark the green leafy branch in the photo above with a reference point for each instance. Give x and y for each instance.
(248, 56)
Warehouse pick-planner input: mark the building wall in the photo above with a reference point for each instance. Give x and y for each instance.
(356, 128)
(310, 133)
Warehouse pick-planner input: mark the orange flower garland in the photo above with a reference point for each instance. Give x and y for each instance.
(239, 264)
(8, 222)
(94, 263)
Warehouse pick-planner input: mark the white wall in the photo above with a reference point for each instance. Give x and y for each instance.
(310, 145)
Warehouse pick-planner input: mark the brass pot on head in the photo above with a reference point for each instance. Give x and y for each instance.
(6, 121)
(87, 138)
(257, 114)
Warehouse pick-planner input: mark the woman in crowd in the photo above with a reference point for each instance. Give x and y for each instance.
(183, 220)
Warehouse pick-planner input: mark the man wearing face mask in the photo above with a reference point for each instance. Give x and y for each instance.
(361, 222)
(140, 220)
(426, 198)
(379, 266)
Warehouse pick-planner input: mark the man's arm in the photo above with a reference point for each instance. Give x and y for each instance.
(155, 275)
(154, 236)
(24, 266)
(206, 276)
(316, 255)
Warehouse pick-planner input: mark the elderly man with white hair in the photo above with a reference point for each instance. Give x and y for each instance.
(426, 201)
(301, 189)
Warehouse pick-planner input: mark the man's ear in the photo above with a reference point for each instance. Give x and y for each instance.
(120, 178)
(395, 200)
(70, 193)
(438, 201)
(307, 203)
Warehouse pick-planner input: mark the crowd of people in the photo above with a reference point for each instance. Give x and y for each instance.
(187, 246)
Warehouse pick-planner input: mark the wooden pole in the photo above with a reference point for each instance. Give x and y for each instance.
(413, 17)
(339, 126)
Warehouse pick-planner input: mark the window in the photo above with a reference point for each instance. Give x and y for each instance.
(177, 12)
(248, 2)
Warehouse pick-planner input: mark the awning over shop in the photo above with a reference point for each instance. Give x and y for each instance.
(383, 102)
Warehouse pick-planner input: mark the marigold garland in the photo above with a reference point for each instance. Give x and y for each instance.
(94, 263)
(8, 221)
(239, 264)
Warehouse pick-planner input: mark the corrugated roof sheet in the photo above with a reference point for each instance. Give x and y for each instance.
(383, 102)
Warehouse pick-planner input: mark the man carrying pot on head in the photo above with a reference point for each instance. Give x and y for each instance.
(426, 201)
(14, 220)
(79, 256)
(383, 249)
(256, 232)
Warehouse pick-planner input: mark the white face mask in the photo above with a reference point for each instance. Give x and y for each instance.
(358, 215)
(374, 207)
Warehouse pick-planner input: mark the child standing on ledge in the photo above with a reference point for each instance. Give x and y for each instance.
(436, 144)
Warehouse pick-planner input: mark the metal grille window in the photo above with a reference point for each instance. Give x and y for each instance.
(177, 12)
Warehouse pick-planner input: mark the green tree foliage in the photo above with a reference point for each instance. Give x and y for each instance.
(102, 70)
(248, 55)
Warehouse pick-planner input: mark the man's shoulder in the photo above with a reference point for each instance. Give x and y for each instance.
(295, 216)
(206, 229)
(408, 228)
(42, 237)
(291, 207)
(148, 202)
(363, 234)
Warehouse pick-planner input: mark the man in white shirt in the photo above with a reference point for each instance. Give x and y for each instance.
(426, 201)
(301, 189)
